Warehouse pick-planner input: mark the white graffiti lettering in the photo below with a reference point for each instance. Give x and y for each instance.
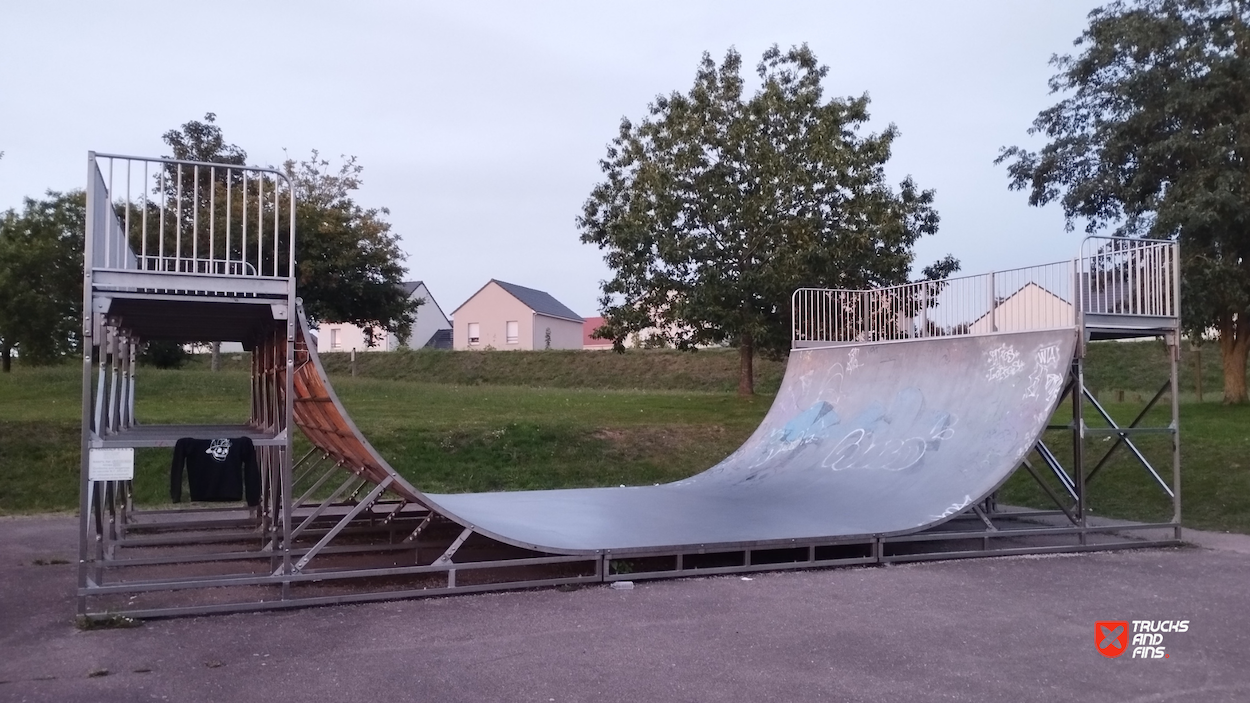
(1004, 362)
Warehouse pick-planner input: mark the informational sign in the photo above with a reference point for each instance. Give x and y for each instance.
(111, 464)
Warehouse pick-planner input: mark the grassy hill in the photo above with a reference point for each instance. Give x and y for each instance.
(1113, 367)
(474, 421)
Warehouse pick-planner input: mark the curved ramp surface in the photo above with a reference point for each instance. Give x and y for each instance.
(864, 440)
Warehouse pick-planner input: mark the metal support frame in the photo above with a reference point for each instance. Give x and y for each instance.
(1077, 482)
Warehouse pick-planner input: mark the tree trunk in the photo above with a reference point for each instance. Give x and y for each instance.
(1234, 345)
(746, 364)
(1198, 371)
(6, 358)
(215, 362)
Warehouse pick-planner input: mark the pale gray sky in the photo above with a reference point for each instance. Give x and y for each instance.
(480, 125)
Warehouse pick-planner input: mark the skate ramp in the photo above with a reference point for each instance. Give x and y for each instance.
(862, 440)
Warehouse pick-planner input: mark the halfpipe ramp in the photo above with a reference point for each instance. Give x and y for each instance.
(864, 440)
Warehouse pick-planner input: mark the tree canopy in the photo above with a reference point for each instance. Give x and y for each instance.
(717, 206)
(347, 259)
(1152, 138)
(348, 262)
(41, 278)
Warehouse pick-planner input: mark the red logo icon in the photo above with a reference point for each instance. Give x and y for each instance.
(1111, 636)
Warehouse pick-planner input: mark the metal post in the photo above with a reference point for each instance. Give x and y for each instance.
(288, 382)
(1174, 351)
(1175, 306)
(88, 362)
(993, 305)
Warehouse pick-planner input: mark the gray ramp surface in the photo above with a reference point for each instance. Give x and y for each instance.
(871, 439)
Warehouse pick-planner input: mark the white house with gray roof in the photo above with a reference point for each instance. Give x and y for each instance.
(431, 329)
(507, 316)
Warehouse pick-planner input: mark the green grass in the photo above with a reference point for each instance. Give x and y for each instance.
(1215, 467)
(712, 370)
(445, 438)
(1136, 368)
(564, 419)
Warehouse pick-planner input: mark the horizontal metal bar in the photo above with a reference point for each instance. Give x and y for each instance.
(1021, 551)
(251, 555)
(209, 164)
(747, 568)
(220, 581)
(1016, 532)
(1126, 431)
(191, 283)
(307, 602)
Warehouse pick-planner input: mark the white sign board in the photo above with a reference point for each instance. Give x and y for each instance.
(111, 464)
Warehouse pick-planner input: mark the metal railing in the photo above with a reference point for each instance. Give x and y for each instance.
(1130, 277)
(1112, 276)
(188, 217)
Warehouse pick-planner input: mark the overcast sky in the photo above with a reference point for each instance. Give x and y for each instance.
(481, 125)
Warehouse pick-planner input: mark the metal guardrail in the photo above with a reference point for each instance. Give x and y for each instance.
(1130, 277)
(188, 217)
(1113, 276)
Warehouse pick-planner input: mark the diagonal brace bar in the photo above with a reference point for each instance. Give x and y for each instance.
(984, 518)
(451, 551)
(351, 515)
(316, 513)
(316, 486)
(1123, 438)
(1047, 456)
(1053, 496)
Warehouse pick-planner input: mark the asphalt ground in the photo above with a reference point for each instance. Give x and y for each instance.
(994, 629)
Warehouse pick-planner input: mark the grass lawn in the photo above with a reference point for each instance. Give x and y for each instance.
(445, 438)
(479, 436)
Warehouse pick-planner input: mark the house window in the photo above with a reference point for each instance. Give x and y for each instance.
(514, 332)
(475, 333)
(336, 342)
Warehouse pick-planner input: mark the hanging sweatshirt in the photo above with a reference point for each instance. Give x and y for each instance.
(217, 470)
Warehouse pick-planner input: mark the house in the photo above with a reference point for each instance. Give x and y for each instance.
(1032, 307)
(588, 328)
(633, 340)
(431, 328)
(507, 316)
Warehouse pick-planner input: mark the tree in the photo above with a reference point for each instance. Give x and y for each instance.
(195, 141)
(348, 262)
(41, 250)
(1153, 139)
(203, 141)
(715, 208)
(347, 259)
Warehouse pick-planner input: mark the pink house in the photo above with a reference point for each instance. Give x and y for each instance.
(507, 316)
(588, 328)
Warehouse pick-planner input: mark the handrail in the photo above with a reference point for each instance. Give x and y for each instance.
(1112, 276)
(159, 215)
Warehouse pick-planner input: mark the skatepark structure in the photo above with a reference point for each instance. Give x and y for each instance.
(902, 412)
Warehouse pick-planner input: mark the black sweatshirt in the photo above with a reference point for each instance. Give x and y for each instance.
(217, 470)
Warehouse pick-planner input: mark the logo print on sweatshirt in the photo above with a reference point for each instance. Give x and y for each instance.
(219, 448)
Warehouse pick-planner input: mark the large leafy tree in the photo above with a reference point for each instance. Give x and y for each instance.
(348, 261)
(41, 279)
(716, 206)
(1152, 138)
(204, 142)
